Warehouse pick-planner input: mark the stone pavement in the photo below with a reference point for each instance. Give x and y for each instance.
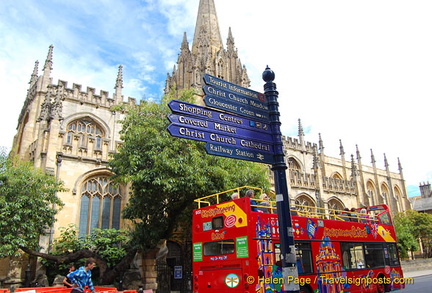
(417, 273)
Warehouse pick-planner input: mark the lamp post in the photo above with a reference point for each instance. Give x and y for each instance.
(288, 255)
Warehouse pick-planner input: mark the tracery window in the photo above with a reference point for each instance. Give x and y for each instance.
(85, 129)
(100, 205)
(335, 204)
(305, 204)
(293, 164)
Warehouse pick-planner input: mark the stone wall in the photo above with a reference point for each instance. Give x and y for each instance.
(417, 264)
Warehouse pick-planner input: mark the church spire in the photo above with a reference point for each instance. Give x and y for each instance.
(119, 84)
(48, 61)
(207, 36)
(185, 44)
(34, 75)
(46, 79)
(341, 148)
(207, 55)
(321, 144)
(230, 44)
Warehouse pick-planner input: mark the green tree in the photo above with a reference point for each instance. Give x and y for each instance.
(28, 202)
(168, 173)
(28, 205)
(108, 246)
(414, 225)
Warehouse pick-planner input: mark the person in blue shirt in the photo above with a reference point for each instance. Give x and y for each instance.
(251, 194)
(82, 277)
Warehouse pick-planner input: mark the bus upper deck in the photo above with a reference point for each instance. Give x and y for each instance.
(237, 249)
(376, 214)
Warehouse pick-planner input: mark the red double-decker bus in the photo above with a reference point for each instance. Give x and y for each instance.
(236, 249)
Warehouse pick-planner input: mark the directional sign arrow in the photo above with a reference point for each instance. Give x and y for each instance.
(238, 153)
(237, 108)
(220, 128)
(236, 98)
(207, 136)
(218, 116)
(222, 84)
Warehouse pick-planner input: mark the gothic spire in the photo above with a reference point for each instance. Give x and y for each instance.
(399, 165)
(320, 143)
(119, 80)
(373, 161)
(46, 77)
(34, 75)
(119, 84)
(48, 61)
(386, 164)
(341, 148)
(185, 44)
(207, 32)
(358, 153)
(230, 43)
(300, 128)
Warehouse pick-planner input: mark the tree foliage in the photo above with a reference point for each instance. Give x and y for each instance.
(168, 173)
(108, 246)
(28, 201)
(412, 226)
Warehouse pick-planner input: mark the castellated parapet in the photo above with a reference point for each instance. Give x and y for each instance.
(295, 144)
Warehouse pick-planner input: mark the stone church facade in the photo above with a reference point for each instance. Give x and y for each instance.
(70, 132)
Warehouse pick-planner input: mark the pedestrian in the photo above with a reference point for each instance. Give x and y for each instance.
(346, 215)
(264, 203)
(82, 277)
(66, 281)
(354, 215)
(251, 194)
(234, 196)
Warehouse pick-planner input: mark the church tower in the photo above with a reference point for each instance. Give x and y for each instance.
(208, 55)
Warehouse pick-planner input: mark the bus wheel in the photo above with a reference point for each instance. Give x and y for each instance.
(305, 289)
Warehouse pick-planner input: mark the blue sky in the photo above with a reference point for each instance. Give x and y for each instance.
(359, 71)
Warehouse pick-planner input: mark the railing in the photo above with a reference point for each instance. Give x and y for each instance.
(219, 197)
(269, 206)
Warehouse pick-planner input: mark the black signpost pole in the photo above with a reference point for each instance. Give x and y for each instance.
(288, 256)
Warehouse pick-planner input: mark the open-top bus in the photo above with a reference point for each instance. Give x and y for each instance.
(236, 249)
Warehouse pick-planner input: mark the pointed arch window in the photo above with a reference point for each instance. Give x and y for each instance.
(370, 190)
(385, 193)
(100, 205)
(85, 129)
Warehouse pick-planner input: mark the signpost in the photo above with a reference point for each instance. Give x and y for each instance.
(220, 128)
(247, 128)
(218, 116)
(240, 131)
(211, 136)
(288, 255)
(239, 153)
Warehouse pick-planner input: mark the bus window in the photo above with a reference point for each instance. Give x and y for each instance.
(352, 256)
(385, 218)
(217, 223)
(303, 255)
(219, 247)
(374, 255)
(391, 254)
